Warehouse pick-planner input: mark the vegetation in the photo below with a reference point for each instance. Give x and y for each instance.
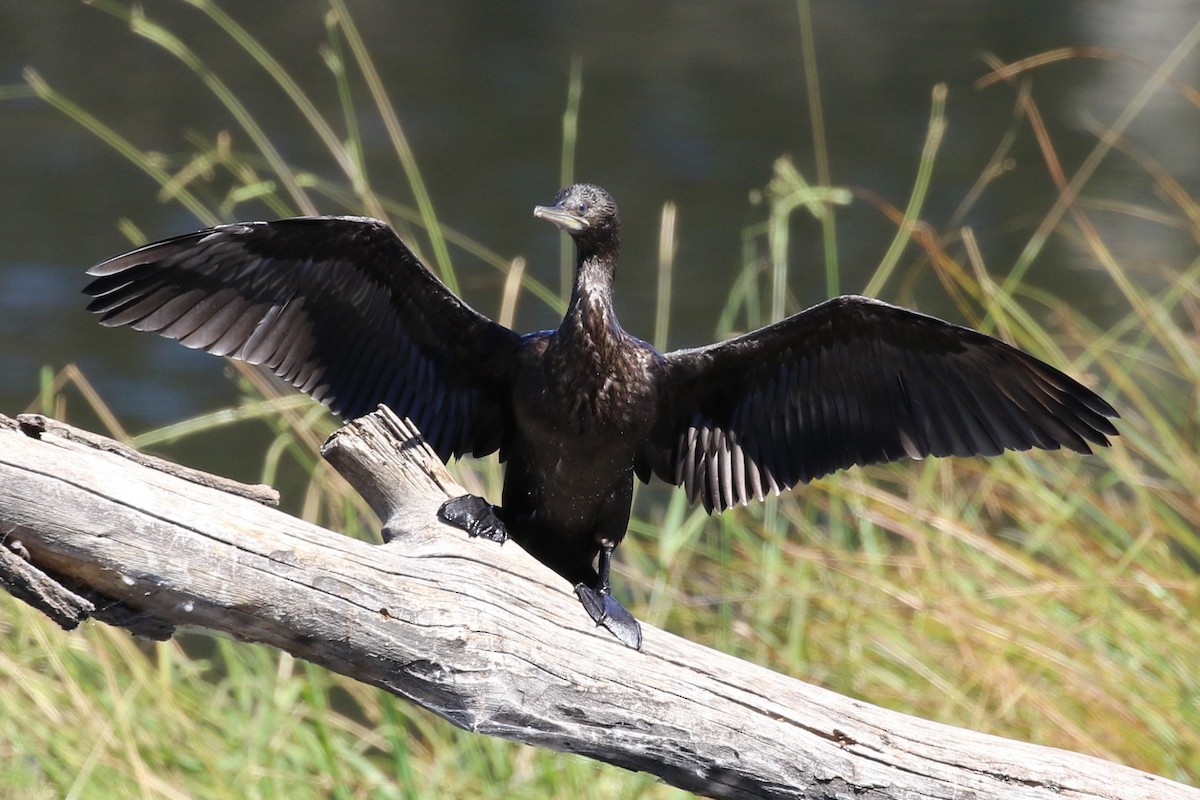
(1052, 599)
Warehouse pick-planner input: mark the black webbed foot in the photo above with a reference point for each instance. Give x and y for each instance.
(604, 608)
(607, 611)
(474, 515)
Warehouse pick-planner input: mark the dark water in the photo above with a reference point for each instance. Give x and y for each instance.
(682, 101)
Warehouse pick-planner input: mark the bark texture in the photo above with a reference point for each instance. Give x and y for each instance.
(481, 634)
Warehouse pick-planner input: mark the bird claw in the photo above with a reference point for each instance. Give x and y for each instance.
(474, 515)
(478, 518)
(607, 611)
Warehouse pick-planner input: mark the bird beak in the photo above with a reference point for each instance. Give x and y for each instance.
(561, 217)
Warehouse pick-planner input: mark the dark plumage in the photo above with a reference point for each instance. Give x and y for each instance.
(342, 309)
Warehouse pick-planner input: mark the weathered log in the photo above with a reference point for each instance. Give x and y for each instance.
(30, 585)
(484, 635)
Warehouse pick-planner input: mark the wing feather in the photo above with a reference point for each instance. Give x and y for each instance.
(855, 381)
(337, 306)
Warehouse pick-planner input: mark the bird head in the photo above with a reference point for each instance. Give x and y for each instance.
(588, 214)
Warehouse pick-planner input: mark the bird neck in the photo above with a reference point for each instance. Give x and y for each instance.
(591, 310)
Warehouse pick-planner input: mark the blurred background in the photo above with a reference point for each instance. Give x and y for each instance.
(683, 102)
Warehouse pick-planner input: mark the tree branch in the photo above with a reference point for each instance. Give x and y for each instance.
(483, 635)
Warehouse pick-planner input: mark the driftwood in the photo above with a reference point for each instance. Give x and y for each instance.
(481, 634)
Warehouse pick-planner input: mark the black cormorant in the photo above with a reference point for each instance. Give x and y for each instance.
(342, 309)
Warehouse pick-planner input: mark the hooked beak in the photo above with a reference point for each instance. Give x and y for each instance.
(561, 217)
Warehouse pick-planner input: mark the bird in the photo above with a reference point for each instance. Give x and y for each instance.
(342, 309)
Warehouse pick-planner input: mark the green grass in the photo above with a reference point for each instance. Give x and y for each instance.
(1045, 597)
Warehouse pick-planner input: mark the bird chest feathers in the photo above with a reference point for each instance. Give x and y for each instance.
(603, 383)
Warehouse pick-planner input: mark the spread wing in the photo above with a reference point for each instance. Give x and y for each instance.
(337, 306)
(854, 381)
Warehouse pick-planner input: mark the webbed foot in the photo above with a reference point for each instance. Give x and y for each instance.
(607, 611)
(474, 515)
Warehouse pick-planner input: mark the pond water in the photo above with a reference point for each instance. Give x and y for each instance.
(687, 102)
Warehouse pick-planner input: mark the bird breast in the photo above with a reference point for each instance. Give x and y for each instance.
(594, 386)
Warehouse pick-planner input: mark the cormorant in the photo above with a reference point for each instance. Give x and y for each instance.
(343, 310)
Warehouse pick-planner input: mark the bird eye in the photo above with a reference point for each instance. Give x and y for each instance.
(581, 208)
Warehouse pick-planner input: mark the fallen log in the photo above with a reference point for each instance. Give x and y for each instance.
(483, 635)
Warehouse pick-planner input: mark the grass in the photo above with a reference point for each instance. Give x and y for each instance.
(1048, 598)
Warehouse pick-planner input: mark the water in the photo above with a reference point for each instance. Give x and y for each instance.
(682, 101)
